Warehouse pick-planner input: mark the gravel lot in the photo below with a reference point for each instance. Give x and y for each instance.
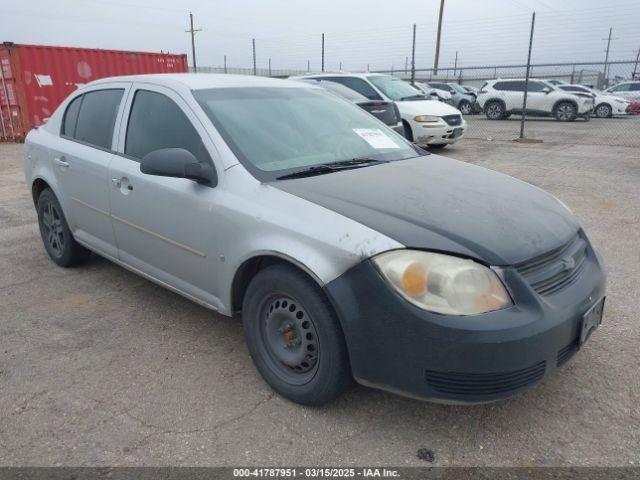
(101, 367)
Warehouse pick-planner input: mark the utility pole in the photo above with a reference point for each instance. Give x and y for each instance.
(253, 42)
(367, 68)
(455, 65)
(193, 32)
(323, 52)
(406, 65)
(526, 79)
(225, 64)
(308, 66)
(269, 67)
(340, 66)
(435, 62)
(635, 67)
(606, 58)
(413, 57)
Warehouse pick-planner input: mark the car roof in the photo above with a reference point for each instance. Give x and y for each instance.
(200, 81)
(342, 74)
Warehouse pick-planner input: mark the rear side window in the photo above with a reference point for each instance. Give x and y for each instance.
(97, 117)
(156, 122)
(359, 85)
(71, 117)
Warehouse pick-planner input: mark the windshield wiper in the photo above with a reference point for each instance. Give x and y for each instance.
(331, 167)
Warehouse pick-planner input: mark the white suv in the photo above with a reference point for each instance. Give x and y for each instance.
(427, 123)
(501, 98)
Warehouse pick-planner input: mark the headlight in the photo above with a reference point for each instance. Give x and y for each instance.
(426, 118)
(443, 283)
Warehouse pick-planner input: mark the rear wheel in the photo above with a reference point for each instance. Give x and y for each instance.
(294, 337)
(603, 110)
(494, 110)
(565, 112)
(408, 133)
(55, 232)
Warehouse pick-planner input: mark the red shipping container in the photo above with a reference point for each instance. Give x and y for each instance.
(35, 79)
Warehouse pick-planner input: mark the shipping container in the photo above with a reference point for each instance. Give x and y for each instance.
(35, 79)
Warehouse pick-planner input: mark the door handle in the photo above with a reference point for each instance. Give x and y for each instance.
(116, 182)
(61, 162)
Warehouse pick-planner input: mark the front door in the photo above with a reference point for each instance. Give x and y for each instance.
(165, 227)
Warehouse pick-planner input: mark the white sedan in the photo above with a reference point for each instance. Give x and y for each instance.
(606, 105)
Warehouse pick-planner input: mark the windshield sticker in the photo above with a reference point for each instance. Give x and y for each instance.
(376, 138)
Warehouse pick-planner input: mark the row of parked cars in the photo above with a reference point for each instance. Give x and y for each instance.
(431, 113)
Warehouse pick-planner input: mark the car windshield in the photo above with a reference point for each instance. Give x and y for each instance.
(281, 130)
(458, 88)
(394, 88)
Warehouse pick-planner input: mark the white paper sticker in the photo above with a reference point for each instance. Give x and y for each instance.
(43, 80)
(376, 138)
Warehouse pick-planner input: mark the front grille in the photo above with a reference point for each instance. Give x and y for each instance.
(482, 384)
(554, 270)
(453, 120)
(565, 353)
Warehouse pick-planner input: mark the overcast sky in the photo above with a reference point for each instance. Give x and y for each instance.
(358, 32)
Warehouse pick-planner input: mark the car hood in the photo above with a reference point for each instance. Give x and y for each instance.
(426, 107)
(436, 203)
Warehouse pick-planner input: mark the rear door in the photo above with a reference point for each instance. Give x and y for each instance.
(81, 158)
(167, 228)
(513, 94)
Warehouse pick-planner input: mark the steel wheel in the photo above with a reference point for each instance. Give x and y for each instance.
(290, 339)
(52, 229)
(603, 111)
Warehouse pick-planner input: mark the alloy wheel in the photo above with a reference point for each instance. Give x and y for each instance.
(565, 112)
(53, 231)
(603, 111)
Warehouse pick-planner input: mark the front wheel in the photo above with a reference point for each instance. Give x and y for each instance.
(565, 112)
(465, 107)
(294, 336)
(494, 110)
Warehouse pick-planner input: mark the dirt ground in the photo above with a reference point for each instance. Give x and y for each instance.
(101, 367)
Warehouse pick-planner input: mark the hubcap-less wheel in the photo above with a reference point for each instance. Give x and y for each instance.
(53, 231)
(566, 112)
(290, 338)
(494, 111)
(603, 111)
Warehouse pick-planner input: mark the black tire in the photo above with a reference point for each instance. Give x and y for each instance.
(565, 112)
(407, 131)
(587, 118)
(294, 336)
(603, 110)
(465, 107)
(437, 146)
(494, 110)
(56, 235)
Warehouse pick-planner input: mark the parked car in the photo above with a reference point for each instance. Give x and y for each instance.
(471, 89)
(435, 93)
(426, 122)
(384, 111)
(501, 98)
(626, 90)
(347, 252)
(462, 99)
(605, 105)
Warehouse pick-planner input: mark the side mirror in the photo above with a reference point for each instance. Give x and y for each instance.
(546, 90)
(178, 163)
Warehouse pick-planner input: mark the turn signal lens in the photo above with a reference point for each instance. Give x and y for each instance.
(443, 283)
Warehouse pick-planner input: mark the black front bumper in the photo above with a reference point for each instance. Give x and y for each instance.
(398, 347)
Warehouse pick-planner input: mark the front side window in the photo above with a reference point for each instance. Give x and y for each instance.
(358, 85)
(635, 87)
(395, 88)
(156, 122)
(277, 131)
(97, 117)
(536, 87)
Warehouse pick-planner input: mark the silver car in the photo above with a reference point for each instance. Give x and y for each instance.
(348, 251)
